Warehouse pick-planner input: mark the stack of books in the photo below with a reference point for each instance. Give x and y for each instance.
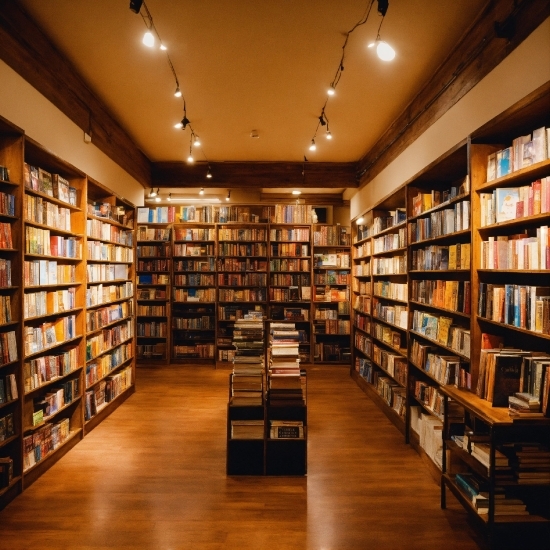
(248, 362)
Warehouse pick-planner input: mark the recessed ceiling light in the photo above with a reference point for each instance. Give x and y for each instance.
(296, 192)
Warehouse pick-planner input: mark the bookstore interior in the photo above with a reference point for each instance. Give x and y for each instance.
(428, 279)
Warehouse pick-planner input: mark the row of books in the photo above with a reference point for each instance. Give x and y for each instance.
(153, 250)
(331, 235)
(281, 249)
(153, 265)
(363, 250)
(102, 366)
(240, 295)
(388, 289)
(290, 213)
(451, 295)
(391, 241)
(393, 217)
(151, 351)
(237, 311)
(145, 233)
(331, 277)
(243, 234)
(7, 204)
(333, 326)
(333, 352)
(331, 259)
(206, 294)
(6, 240)
(152, 294)
(194, 234)
(387, 335)
(363, 343)
(395, 265)
(156, 329)
(298, 234)
(520, 251)
(49, 334)
(362, 269)
(159, 214)
(424, 201)
(108, 338)
(40, 241)
(153, 279)
(359, 286)
(363, 304)
(204, 322)
(56, 398)
(194, 279)
(45, 182)
(5, 310)
(151, 311)
(38, 304)
(8, 389)
(242, 279)
(100, 273)
(392, 363)
(391, 392)
(330, 294)
(184, 249)
(5, 272)
(430, 433)
(520, 306)
(391, 313)
(290, 294)
(47, 272)
(110, 211)
(200, 351)
(429, 396)
(510, 203)
(42, 211)
(441, 222)
(8, 347)
(441, 258)
(236, 249)
(237, 265)
(524, 151)
(106, 391)
(98, 294)
(96, 229)
(44, 441)
(206, 264)
(290, 279)
(98, 318)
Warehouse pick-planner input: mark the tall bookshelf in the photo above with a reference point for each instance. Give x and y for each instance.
(290, 280)
(331, 310)
(239, 290)
(439, 247)
(53, 309)
(110, 322)
(154, 289)
(194, 293)
(11, 390)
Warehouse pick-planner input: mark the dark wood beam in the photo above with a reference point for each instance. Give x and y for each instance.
(255, 174)
(28, 51)
(478, 52)
(304, 198)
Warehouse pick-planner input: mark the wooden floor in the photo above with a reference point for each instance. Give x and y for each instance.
(153, 476)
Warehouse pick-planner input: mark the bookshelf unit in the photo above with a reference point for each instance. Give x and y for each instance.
(11, 391)
(194, 293)
(331, 294)
(242, 257)
(110, 322)
(290, 280)
(53, 309)
(439, 249)
(154, 290)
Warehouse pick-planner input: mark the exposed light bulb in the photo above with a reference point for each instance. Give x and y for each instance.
(163, 47)
(157, 199)
(197, 142)
(177, 93)
(296, 192)
(201, 192)
(152, 193)
(383, 50)
(190, 159)
(169, 198)
(312, 147)
(360, 220)
(228, 196)
(209, 173)
(331, 90)
(178, 125)
(328, 135)
(149, 39)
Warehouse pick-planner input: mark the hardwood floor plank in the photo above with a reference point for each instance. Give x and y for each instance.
(152, 475)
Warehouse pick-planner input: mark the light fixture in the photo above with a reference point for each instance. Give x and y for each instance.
(331, 90)
(157, 198)
(312, 147)
(184, 122)
(149, 38)
(296, 192)
(228, 195)
(384, 51)
(209, 173)
(322, 121)
(201, 192)
(152, 193)
(177, 93)
(328, 135)
(360, 221)
(163, 47)
(190, 159)
(169, 198)
(135, 5)
(196, 141)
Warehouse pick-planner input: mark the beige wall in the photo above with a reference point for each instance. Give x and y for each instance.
(523, 71)
(24, 106)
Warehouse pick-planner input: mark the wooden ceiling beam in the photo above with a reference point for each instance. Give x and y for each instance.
(29, 52)
(255, 174)
(478, 52)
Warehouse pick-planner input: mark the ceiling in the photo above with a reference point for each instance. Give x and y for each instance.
(247, 65)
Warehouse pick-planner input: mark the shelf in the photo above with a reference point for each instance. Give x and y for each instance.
(109, 221)
(46, 419)
(56, 314)
(93, 331)
(442, 309)
(515, 329)
(124, 363)
(70, 437)
(390, 229)
(46, 257)
(449, 237)
(440, 206)
(56, 345)
(103, 304)
(518, 222)
(527, 174)
(54, 229)
(375, 318)
(380, 297)
(49, 198)
(395, 252)
(443, 346)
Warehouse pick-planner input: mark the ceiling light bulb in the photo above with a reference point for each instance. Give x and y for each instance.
(169, 199)
(157, 199)
(149, 39)
(360, 220)
(384, 51)
(228, 196)
(152, 193)
(296, 192)
(197, 142)
(177, 93)
(328, 135)
(209, 173)
(190, 159)
(163, 47)
(201, 192)
(312, 147)
(331, 90)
